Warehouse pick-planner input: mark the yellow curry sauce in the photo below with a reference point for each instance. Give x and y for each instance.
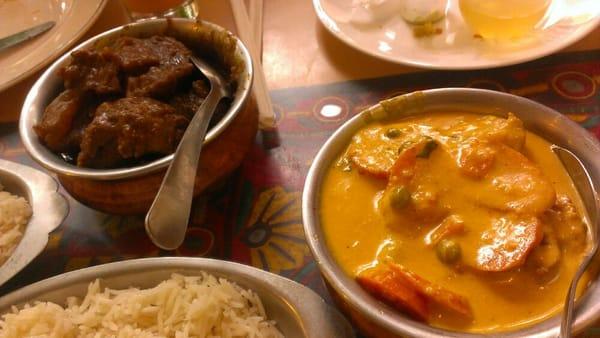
(481, 183)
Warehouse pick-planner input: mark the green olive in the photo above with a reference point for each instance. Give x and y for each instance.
(399, 197)
(392, 133)
(448, 251)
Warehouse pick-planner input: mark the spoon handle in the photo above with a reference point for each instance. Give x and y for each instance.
(585, 186)
(566, 325)
(167, 219)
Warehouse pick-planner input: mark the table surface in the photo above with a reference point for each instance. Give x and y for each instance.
(297, 49)
(307, 68)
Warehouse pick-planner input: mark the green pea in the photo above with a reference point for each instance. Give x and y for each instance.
(427, 149)
(399, 197)
(448, 251)
(392, 133)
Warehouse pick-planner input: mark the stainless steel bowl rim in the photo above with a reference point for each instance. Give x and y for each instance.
(51, 161)
(49, 208)
(588, 307)
(302, 313)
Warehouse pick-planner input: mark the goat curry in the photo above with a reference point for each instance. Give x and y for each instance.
(464, 221)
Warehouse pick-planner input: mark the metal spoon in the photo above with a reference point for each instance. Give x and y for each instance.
(585, 186)
(167, 219)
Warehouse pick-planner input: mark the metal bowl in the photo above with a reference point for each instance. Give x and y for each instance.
(380, 320)
(130, 190)
(50, 84)
(298, 311)
(49, 208)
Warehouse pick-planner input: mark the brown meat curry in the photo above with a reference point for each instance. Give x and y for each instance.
(124, 103)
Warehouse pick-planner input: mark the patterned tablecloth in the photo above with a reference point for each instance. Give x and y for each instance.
(255, 217)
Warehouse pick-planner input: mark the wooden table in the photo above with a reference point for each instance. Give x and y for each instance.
(298, 50)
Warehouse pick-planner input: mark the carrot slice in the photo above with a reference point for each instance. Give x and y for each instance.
(385, 285)
(373, 152)
(439, 295)
(407, 291)
(508, 243)
(514, 183)
(403, 169)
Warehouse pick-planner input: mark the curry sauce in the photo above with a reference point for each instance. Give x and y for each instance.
(467, 222)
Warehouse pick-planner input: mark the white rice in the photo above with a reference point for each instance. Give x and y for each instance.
(14, 215)
(202, 306)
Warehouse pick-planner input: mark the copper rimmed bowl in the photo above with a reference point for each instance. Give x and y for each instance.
(130, 190)
(373, 317)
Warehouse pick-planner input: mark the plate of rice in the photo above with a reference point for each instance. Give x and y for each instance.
(169, 297)
(30, 208)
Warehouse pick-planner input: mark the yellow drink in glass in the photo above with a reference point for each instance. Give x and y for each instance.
(503, 19)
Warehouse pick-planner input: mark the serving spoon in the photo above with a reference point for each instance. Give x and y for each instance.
(167, 219)
(585, 187)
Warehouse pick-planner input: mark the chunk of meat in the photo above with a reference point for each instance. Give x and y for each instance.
(509, 131)
(201, 88)
(92, 71)
(169, 50)
(493, 129)
(134, 55)
(130, 128)
(83, 118)
(547, 254)
(508, 242)
(158, 81)
(58, 118)
(475, 158)
(424, 197)
(187, 103)
(451, 226)
(425, 200)
(407, 291)
(569, 227)
(161, 80)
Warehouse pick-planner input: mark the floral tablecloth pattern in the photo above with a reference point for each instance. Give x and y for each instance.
(255, 216)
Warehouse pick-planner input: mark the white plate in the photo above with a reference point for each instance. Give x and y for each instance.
(73, 19)
(457, 48)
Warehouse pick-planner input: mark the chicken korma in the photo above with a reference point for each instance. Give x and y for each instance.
(464, 221)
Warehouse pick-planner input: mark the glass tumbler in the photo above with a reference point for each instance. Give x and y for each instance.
(503, 19)
(147, 9)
